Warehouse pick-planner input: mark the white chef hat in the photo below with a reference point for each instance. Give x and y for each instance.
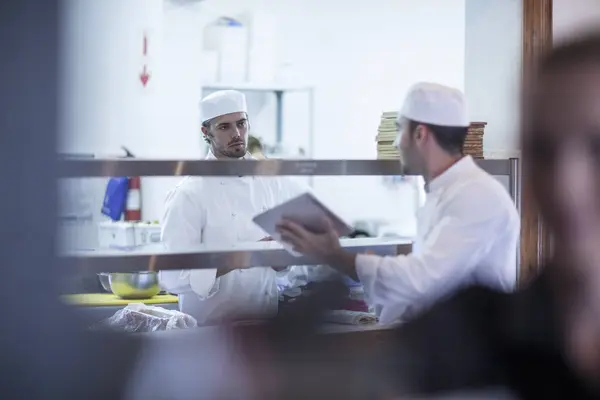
(221, 103)
(435, 104)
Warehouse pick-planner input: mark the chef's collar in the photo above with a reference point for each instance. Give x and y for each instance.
(211, 156)
(451, 174)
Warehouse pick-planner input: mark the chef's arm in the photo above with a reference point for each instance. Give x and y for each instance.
(455, 246)
(182, 226)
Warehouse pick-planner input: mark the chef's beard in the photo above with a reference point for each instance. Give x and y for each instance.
(411, 162)
(228, 153)
(233, 152)
(237, 153)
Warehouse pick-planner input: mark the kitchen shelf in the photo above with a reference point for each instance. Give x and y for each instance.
(252, 87)
(271, 167)
(200, 257)
(118, 261)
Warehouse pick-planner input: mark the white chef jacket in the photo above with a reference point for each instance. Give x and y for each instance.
(467, 233)
(218, 211)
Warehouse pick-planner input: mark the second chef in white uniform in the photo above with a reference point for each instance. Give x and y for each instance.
(217, 212)
(468, 229)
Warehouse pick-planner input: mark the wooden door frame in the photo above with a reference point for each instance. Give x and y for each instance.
(535, 244)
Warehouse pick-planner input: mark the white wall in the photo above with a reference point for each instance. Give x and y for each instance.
(104, 105)
(493, 71)
(360, 56)
(493, 62)
(357, 56)
(574, 16)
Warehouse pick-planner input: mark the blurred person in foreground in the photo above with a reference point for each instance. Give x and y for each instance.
(542, 342)
(467, 230)
(562, 148)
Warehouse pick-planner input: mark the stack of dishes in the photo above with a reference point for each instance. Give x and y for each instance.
(474, 141)
(386, 136)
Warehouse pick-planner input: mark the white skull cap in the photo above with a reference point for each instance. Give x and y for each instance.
(435, 104)
(221, 103)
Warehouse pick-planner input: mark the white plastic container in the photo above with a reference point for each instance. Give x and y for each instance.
(118, 235)
(146, 233)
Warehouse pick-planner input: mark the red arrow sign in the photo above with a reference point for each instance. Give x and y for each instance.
(145, 47)
(144, 76)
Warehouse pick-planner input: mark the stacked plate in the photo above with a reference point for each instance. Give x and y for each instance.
(474, 141)
(386, 136)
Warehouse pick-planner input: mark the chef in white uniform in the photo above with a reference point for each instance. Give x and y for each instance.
(467, 230)
(218, 212)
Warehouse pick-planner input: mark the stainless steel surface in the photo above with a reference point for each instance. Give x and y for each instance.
(278, 117)
(257, 88)
(311, 131)
(252, 255)
(271, 167)
(311, 123)
(203, 258)
(104, 278)
(515, 192)
(135, 285)
(495, 167)
(514, 176)
(138, 167)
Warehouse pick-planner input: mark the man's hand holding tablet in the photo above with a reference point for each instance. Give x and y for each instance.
(304, 225)
(323, 247)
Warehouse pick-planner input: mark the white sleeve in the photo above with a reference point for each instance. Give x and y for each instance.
(458, 242)
(301, 275)
(182, 227)
(291, 188)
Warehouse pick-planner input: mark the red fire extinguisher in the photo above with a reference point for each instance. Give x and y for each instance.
(133, 208)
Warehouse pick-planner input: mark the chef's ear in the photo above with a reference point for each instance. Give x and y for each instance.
(419, 132)
(206, 135)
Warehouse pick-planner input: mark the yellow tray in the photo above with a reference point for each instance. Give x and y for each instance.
(107, 299)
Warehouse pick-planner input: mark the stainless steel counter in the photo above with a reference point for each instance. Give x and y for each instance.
(272, 167)
(243, 255)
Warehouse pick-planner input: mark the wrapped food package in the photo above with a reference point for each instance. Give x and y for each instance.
(139, 317)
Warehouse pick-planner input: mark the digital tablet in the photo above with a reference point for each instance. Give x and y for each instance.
(305, 210)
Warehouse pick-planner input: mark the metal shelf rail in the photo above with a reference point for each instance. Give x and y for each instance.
(242, 256)
(246, 257)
